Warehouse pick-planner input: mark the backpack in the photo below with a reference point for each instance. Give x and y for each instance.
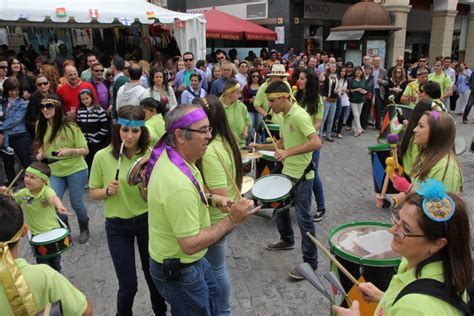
(438, 290)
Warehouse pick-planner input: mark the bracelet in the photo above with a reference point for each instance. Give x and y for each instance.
(107, 192)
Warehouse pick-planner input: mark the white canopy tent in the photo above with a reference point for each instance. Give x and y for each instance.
(189, 29)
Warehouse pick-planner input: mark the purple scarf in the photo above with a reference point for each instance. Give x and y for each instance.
(175, 158)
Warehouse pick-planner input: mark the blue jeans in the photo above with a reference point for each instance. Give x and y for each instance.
(53, 262)
(121, 236)
(328, 117)
(256, 119)
(196, 293)
(305, 223)
(216, 257)
(318, 189)
(76, 183)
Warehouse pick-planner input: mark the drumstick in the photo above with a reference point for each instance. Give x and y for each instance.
(388, 173)
(14, 180)
(119, 161)
(270, 134)
(333, 259)
(253, 151)
(227, 173)
(68, 213)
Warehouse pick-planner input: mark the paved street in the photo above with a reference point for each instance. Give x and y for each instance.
(261, 285)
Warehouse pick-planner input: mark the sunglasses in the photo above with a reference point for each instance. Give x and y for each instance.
(47, 106)
(220, 58)
(40, 84)
(3, 67)
(188, 59)
(99, 70)
(422, 60)
(110, 75)
(255, 76)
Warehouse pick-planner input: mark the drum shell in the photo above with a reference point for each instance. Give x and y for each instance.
(388, 124)
(246, 165)
(377, 271)
(378, 154)
(51, 248)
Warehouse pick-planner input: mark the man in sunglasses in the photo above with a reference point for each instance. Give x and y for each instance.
(100, 85)
(3, 71)
(87, 74)
(422, 63)
(183, 77)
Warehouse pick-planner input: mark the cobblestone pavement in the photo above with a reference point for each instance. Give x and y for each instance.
(260, 282)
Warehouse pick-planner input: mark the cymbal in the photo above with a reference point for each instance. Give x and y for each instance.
(246, 153)
(247, 184)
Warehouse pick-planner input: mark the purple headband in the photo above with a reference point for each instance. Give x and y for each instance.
(435, 115)
(176, 159)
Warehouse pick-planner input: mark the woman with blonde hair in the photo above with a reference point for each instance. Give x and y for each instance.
(52, 75)
(145, 66)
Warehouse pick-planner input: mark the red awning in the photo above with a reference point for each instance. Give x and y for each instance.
(220, 25)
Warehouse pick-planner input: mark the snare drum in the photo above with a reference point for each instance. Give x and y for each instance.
(246, 165)
(268, 155)
(364, 249)
(273, 191)
(378, 154)
(52, 243)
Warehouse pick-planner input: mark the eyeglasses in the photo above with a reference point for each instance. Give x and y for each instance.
(188, 59)
(400, 230)
(47, 106)
(40, 84)
(3, 67)
(202, 131)
(99, 70)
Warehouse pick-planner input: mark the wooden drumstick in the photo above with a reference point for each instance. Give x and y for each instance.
(333, 259)
(228, 175)
(388, 173)
(14, 180)
(270, 134)
(252, 165)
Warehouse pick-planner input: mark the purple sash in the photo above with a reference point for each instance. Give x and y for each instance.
(174, 157)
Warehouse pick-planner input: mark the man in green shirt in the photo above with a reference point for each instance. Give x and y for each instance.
(179, 224)
(27, 289)
(411, 95)
(298, 141)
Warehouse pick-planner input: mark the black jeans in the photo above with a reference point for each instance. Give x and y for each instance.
(380, 109)
(21, 143)
(468, 108)
(121, 236)
(364, 115)
(53, 262)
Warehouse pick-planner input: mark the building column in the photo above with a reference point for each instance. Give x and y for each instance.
(396, 43)
(463, 37)
(442, 28)
(469, 55)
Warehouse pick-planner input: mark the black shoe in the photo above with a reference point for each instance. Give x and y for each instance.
(329, 139)
(84, 231)
(319, 215)
(280, 245)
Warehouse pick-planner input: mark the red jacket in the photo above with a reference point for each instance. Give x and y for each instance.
(70, 96)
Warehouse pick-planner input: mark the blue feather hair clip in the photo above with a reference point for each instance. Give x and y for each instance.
(437, 204)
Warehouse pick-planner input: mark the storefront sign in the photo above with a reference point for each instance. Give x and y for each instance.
(314, 9)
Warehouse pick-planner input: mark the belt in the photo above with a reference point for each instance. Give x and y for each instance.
(135, 219)
(181, 265)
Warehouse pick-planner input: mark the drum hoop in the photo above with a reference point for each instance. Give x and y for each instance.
(274, 199)
(137, 162)
(54, 254)
(379, 147)
(38, 243)
(357, 259)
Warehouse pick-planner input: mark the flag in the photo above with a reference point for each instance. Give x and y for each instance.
(125, 21)
(150, 15)
(93, 13)
(60, 12)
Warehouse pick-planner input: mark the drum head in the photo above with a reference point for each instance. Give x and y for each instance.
(272, 188)
(268, 154)
(247, 184)
(367, 243)
(52, 235)
(460, 145)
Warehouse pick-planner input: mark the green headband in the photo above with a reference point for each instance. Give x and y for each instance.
(37, 173)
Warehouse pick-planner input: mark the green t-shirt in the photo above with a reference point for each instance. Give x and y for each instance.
(175, 211)
(238, 118)
(443, 79)
(412, 89)
(410, 156)
(214, 175)
(127, 202)
(156, 128)
(47, 286)
(40, 214)
(357, 97)
(187, 78)
(67, 137)
(414, 304)
(296, 128)
(447, 171)
(319, 114)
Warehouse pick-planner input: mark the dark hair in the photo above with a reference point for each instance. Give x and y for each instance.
(200, 63)
(220, 126)
(41, 167)
(358, 68)
(118, 62)
(158, 106)
(134, 113)
(10, 84)
(11, 219)
(249, 77)
(277, 86)
(153, 71)
(135, 72)
(188, 53)
(96, 64)
(59, 121)
(309, 98)
(195, 74)
(420, 109)
(432, 89)
(89, 93)
(456, 255)
(3, 58)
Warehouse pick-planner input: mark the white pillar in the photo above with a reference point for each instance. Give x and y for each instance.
(399, 10)
(442, 28)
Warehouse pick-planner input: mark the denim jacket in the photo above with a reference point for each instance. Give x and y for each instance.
(14, 117)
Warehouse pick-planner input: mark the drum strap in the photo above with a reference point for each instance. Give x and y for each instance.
(308, 169)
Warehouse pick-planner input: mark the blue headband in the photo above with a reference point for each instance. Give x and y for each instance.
(123, 121)
(437, 204)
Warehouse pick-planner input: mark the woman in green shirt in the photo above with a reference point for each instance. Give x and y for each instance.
(62, 144)
(222, 146)
(125, 210)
